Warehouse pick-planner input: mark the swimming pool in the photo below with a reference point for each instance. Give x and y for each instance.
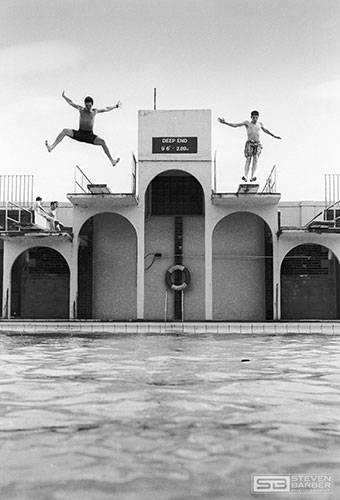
(166, 417)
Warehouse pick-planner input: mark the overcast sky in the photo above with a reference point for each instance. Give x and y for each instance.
(231, 56)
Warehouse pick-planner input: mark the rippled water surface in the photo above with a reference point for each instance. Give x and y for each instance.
(166, 417)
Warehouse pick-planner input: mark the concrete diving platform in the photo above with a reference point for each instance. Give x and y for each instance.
(102, 196)
(245, 199)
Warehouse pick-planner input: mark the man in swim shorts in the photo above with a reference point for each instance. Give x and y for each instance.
(85, 133)
(253, 146)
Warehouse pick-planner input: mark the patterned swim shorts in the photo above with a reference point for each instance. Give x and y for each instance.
(252, 148)
(84, 136)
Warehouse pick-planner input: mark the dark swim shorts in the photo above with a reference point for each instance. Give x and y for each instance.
(252, 148)
(84, 136)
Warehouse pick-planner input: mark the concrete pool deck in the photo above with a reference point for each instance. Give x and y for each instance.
(90, 327)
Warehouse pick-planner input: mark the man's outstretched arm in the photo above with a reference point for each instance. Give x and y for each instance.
(269, 133)
(222, 120)
(110, 108)
(70, 102)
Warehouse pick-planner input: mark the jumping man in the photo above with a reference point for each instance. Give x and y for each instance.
(85, 133)
(253, 146)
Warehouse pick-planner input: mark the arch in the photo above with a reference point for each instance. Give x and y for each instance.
(242, 268)
(309, 283)
(173, 192)
(40, 284)
(175, 230)
(107, 268)
(116, 209)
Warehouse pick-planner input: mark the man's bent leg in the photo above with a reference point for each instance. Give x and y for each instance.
(100, 142)
(60, 137)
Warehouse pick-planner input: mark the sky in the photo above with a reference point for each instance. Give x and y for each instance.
(280, 57)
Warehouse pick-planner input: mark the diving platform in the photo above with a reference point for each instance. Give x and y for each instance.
(247, 196)
(100, 195)
(248, 188)
(99, 189)
(97, 197)
(36, 234)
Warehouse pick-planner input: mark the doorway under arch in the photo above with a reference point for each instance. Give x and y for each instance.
(309, 283)
(174, 192)
(174, 231)
(40, 285)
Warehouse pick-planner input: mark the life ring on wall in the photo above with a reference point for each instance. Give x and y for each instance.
(185, 282)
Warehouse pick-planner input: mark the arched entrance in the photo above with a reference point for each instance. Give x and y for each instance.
(242, 269)
(174, 235)
(40, 285)
(309, 283)
(107, 268)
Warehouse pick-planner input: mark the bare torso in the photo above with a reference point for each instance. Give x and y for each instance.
(86, 118)
(253, 130)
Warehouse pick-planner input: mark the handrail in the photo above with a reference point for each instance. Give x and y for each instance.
(333, 205)
(81, 183)
(16, 221)
(270, 184)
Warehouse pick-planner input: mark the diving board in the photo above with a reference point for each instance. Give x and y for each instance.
(99, 189)
(248, 188)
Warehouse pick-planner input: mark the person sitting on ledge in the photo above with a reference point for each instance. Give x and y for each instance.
(253, 146)
(85, 133)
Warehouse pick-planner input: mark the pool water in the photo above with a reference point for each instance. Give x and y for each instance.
(166, 417)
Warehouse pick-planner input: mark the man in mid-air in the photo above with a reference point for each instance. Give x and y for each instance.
(253, 146)
(85, 133)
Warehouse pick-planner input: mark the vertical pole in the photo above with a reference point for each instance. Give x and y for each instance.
(6, 217)
(72, 261)
(178, 306)
(155, 99)
(166, 306)
(140, 227)
(8, 259)
(215, 172)
(276, 317)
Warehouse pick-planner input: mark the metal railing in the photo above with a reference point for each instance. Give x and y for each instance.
(270, 185)
(80, 179)
(332, 189)
(16, 189)
(12, 223)
(329, 216)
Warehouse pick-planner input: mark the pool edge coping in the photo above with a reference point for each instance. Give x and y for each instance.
(55, 327)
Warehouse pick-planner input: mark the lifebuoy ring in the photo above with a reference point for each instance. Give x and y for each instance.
(185, 282)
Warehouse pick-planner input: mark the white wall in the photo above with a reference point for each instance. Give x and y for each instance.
(114, 268)
(239, 268)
